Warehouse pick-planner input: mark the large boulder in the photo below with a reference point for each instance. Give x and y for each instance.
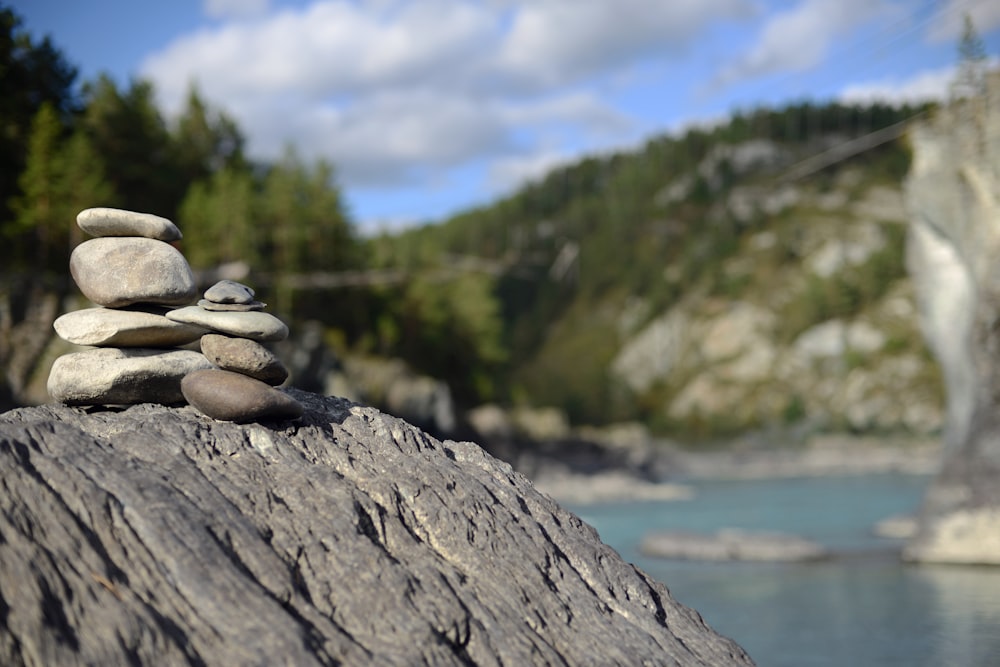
(155, 535)
(953, 193)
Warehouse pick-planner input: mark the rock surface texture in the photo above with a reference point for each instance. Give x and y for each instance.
(155, 535)
(953, 193)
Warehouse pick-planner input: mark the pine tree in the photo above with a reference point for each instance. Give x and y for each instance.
(127, 129)
(82, 182)
(217, 218)
(32, 73)
(37, 210)
(206, 141)
(970, 80)
(61, 177)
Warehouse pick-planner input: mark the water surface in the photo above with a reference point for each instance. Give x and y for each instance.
(864, 609)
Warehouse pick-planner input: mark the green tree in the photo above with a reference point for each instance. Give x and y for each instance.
(62, 176)
(83, 181)
(32, 74)
(304, 218)
(127, 129)
(217, 218)
(206, 141)
(453, 330)
(36, 210)
(971, 77)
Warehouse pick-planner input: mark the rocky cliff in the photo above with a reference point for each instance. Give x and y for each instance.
(953, 194)
(811, 322)
(155, 535)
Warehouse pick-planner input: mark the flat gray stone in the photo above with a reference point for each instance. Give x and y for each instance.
(111, 375)
(117, 222)
(245, 356)
(135, 326)
(231, 307)
(229, 291)
(233, 397)
(255, 325)
(117, 272)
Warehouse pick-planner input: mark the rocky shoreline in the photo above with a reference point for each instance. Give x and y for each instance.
(826, 455)
(821, 455)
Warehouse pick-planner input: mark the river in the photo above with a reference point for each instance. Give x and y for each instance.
(864, 608)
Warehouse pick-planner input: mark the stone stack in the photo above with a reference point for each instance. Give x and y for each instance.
(134, 276)
(241, 387)
(138, 280)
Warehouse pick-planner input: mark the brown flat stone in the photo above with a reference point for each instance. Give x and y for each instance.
(233, 397)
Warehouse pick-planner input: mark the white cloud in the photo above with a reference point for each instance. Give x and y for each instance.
(950, 19)
(390, 90)
(798, 39)
(332, 47)
(929, 85)
(508, 173)
(220, 9)
(553, 41)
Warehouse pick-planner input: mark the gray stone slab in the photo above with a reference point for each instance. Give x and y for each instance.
(136, 326)
(111, 375)
(118, 222)
(257, 325)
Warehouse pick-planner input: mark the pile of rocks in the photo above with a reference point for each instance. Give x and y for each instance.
(242, 384)
(137, 279)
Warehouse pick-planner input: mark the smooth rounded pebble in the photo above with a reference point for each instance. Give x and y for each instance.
(254, 325)
(111, 375)
(231, 307)
(117, 272)
(229, 291)
(232, 397)
(136, 326)
(245, 356)
(117, 222)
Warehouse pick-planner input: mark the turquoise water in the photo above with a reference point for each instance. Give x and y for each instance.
(864, 609)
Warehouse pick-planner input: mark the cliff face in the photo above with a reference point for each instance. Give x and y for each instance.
(953, 194)
(154, 535)
(816, 322)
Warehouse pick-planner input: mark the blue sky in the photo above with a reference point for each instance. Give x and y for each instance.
(426, 107)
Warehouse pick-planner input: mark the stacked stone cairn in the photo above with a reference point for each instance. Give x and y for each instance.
(142, 328)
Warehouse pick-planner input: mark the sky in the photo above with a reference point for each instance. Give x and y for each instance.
(429, 107)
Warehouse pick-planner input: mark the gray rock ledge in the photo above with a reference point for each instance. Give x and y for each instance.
(155, 535)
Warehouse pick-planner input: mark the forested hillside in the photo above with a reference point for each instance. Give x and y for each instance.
(710, 282)
(604, 270)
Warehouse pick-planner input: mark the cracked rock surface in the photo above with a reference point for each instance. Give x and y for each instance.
(155, 535)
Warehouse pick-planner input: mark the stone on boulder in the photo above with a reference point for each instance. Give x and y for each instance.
(154, 536)
(234, 397)
(111, 375)
(245, 356)
(135, 326)
(231, 307)
(255, 325)
(117, 222)
(117, 272)
(229, 291)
